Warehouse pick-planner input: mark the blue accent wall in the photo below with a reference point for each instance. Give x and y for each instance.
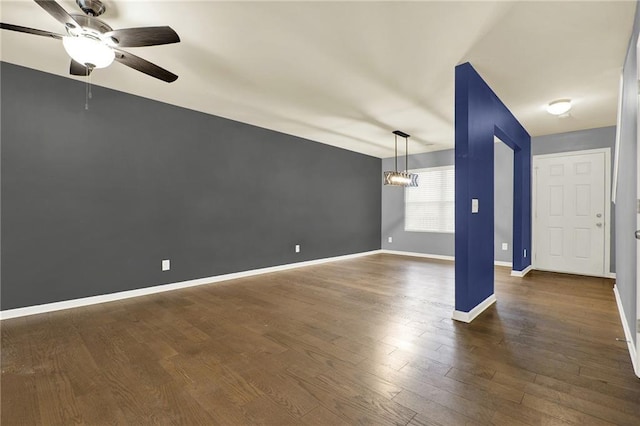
(479, 116)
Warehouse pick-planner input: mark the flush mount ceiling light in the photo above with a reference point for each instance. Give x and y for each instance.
(559, 107)
(401, 178)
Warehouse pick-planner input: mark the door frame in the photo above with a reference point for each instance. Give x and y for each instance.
(636, 99)
(607, 204)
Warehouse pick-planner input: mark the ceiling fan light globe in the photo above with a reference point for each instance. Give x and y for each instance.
(85, 51)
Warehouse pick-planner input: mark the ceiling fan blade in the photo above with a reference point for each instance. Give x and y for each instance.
(144, 66)
(55, 10)
(28, 30)
(143, 36)
(76, 68)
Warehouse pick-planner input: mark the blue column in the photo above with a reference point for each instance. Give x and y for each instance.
(479, 116)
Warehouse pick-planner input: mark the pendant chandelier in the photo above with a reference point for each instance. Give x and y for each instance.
(401, 178)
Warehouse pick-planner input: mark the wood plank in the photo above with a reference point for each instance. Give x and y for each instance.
(322, 416)
(431, 412)
(561, 412)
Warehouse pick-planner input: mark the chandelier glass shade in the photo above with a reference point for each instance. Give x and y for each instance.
(400, 178)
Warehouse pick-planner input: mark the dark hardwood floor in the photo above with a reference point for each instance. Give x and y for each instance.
(364, 341)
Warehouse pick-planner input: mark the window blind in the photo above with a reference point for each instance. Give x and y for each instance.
(429, 207)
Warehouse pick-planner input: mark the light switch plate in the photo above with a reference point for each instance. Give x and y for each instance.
(475, 205)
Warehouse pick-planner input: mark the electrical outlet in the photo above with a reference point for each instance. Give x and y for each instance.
(166, 265)
(390, 239)
(525, 253)
(505, 246)
(475, 205)
(297, 248)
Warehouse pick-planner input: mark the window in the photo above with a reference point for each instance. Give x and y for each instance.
(429, 207)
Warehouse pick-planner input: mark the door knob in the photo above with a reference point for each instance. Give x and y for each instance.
(638, 234)
(599, 215)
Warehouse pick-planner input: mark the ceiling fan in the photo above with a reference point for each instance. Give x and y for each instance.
(92, 43)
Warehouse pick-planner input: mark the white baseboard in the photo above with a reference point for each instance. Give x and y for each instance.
(611, 275)
(436, 256)
(627, 333)
(472, 314)
(522, 273)
(86, 301)
(415, 254)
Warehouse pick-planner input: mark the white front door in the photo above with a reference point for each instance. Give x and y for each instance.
(570, 217)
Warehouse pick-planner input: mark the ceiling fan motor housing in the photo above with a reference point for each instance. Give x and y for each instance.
(91, 7)
(89, 25)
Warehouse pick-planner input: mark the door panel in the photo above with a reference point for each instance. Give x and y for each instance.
(570, 213)
(583, 200)
(556, 238)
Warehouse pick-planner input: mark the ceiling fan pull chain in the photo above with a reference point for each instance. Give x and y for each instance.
(86, 92)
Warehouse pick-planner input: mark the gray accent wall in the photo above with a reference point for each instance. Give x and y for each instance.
(602, 137)
(443, 244)
(92, 201)
(625, 208)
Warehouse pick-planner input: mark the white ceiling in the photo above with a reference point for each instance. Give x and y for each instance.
(349, 73)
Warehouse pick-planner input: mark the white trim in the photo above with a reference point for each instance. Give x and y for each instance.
(607, 203)
(522, 273)
(607, 211)
(472, 314)
(637, 277)
(611, 275)
(414, 254)
(616, 152)
(436, 256)
(86, 301)
(627, 333)
(571, 153)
